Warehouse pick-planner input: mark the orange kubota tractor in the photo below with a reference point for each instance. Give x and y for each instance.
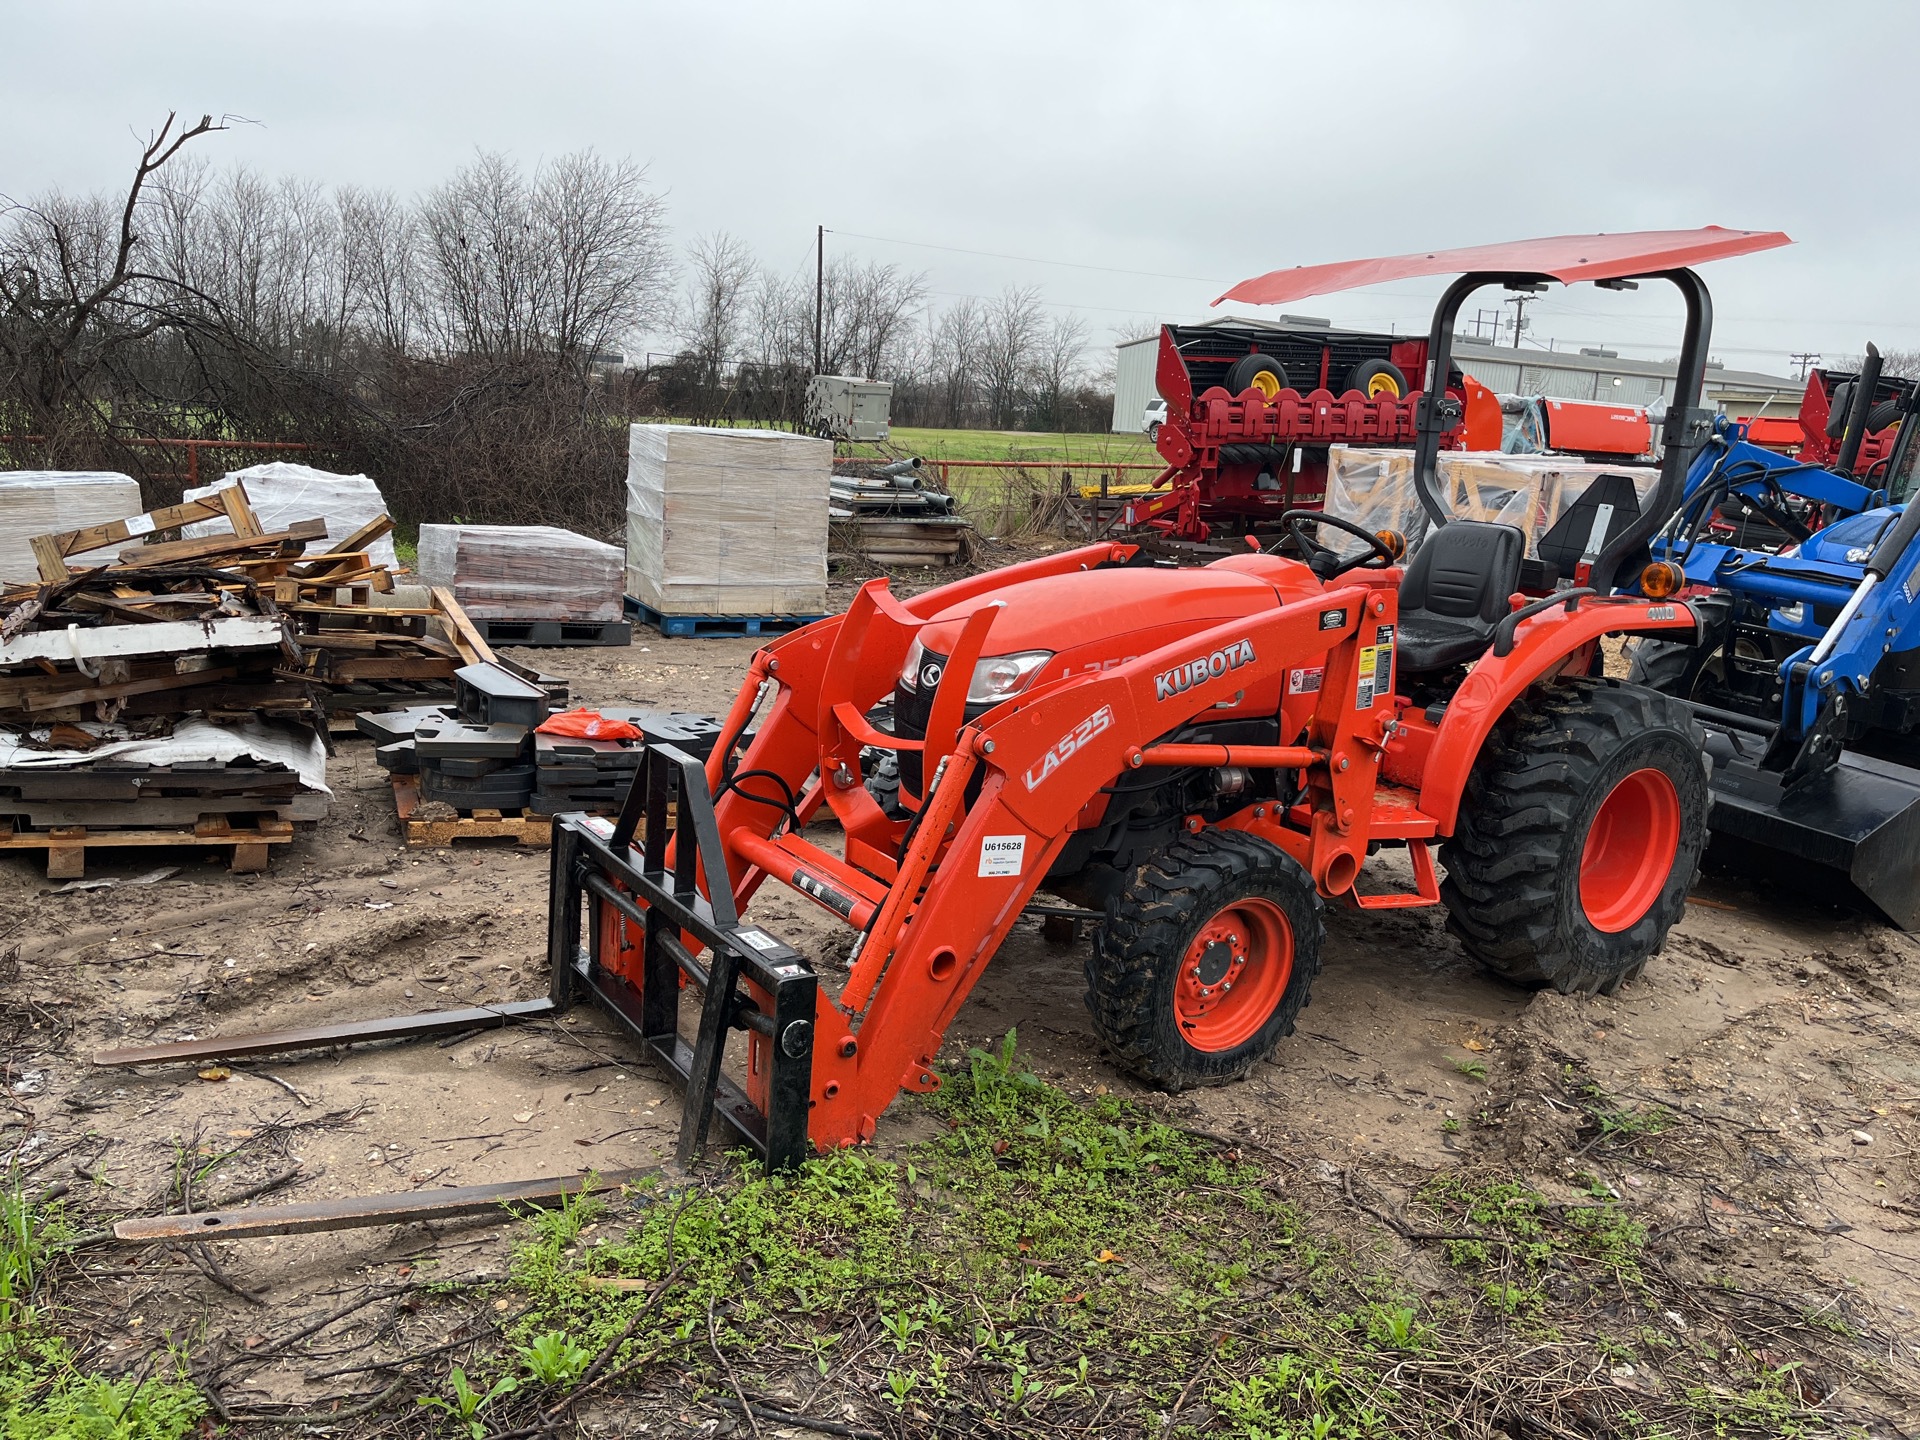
(1210, 756)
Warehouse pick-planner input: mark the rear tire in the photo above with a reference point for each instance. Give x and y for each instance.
(1579, 834)
(1218, 912)
(1665, 665)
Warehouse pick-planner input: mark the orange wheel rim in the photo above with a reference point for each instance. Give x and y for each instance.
(1630, 850)
(1233, 975)
(1267, 383)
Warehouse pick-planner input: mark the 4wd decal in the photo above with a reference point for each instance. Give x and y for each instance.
(1210, 667)
(1660, 612)
(1065, 748)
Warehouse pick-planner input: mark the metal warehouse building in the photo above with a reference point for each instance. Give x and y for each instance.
(1561, 374)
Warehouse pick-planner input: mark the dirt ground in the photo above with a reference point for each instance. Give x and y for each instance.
(1779, 1039)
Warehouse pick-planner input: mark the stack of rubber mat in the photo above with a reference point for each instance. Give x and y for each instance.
(482, 753)
(476, 754)
(593, 775)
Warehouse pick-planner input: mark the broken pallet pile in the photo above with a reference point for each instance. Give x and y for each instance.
(169, 690)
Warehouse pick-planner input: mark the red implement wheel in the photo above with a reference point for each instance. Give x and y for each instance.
(1579, 832)
(1204, 958)
(1629, 850)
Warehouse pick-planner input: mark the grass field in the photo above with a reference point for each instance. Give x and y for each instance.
(1081, 448)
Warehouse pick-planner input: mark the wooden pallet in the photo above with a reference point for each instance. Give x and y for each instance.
(555, 633)
(679, 626)
(523, 827)
(67, 846)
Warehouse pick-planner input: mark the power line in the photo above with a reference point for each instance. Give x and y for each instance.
(1030, 259)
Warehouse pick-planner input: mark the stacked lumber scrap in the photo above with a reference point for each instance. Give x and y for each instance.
(328, 640)
(889, 515)
(196, 644)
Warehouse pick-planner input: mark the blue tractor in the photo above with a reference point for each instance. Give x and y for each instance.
(1806, 670)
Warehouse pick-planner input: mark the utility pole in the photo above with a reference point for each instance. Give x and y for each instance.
(1806, 360)
(819, 290)
(1519, 303)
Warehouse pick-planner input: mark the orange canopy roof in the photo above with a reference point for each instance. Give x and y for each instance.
(1567, 258)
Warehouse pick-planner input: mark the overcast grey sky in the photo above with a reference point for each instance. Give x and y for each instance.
(1209, 142)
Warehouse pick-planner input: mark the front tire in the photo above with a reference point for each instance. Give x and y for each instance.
(1579, 834)
(1204, 959)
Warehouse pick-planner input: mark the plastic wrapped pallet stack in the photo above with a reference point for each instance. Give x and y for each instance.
(47, 502)
(523, 572)
(281, 493)
(727, 522)
(1374, 488)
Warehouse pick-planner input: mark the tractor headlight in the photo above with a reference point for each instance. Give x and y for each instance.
(998, 676)
(910, 672)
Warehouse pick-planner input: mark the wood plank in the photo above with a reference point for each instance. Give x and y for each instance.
(173, 552)
(129, 687)
(471, 644)
(172, 637)
(361, 539)
(98, 537)
(49, 558)
(238, 507)
(33, 840)
(398, 667)
(355, 1212)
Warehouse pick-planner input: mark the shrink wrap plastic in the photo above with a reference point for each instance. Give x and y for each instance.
(523, 572)
(727, 522)
(281, 493)
(47, 502)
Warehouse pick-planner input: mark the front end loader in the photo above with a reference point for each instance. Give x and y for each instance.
(1805, 672)
(1205, 759)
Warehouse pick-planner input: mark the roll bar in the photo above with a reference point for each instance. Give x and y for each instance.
(1687, 423)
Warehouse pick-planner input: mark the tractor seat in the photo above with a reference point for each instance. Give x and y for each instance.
(1455, 592)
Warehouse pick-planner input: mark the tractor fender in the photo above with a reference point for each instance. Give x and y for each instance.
(1542, 646)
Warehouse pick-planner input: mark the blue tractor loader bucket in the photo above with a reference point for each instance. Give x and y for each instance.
(1851, 832)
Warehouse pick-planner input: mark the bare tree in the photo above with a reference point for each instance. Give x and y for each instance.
(70, 278)
(564, 264)
(713, 310)
(609, 264)
(865, 311)
(1057, 358)
(379, 265)
(958, 342)
(1010, 334)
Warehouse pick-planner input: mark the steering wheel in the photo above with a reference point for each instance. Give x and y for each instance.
(1325, 561)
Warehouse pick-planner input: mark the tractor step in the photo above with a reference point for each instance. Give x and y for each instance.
(680, 626)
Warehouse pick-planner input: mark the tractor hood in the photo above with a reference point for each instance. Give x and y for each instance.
(1850, 541)
(1099, 618)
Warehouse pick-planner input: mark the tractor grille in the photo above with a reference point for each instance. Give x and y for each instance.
(911, 711)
